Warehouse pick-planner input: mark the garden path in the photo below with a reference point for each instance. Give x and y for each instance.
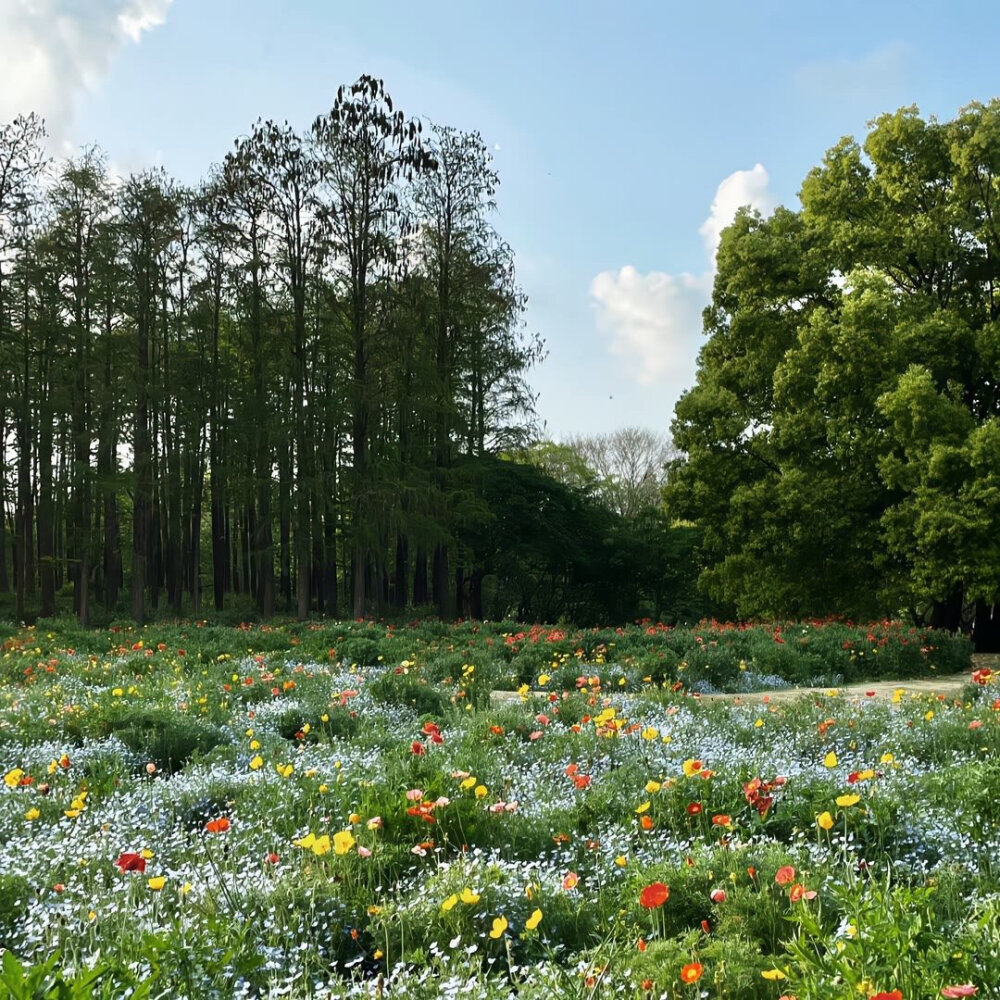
(948, 686)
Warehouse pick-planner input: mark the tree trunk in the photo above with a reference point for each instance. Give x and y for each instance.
(46, 515)
(441, 583)
(420, 595)
(947, 614)
(402, 571)
(986, 628)
(461, 610)
(476, 594)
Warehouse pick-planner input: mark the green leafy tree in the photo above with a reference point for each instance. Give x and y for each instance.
(838, 440)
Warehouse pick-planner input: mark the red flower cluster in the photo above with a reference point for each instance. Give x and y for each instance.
(130, 862)
(760, 794)
(432, 732)
(424, 810)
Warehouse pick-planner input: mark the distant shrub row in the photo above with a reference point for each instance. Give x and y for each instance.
(709, 656)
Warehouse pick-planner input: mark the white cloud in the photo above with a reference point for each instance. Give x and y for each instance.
(54, 51)
(742, 187)
(654, 320)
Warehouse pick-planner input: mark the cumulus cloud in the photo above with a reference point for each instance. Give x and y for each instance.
(654, 320)
(742, 187)
(54, 51)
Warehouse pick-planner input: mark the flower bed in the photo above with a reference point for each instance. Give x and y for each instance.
(199, 812)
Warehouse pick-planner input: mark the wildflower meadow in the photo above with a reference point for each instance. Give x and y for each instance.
(488, 810)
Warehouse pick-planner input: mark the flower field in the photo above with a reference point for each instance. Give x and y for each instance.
(352, 810)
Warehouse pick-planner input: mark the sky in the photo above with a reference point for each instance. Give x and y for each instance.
(626, 134)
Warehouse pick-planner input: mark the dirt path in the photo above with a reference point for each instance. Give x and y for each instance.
(948, 685)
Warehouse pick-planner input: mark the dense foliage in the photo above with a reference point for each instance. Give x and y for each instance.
(841, 439)
(345, 810)
(259, 385)
(710, 656)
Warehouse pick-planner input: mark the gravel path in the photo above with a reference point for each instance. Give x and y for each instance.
(948, 685)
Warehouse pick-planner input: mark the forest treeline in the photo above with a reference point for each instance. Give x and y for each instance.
(301, 386)
(298, 383)
(842, 443)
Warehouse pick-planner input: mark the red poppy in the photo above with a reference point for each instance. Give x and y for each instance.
(796, 892)
(654, 895)
(272, 858)
(721, 819)
(641, 944)
(784, 875)
(691, 972)
(130, 862)
(891, 995)
(694, 808)
(219, 825)
(718, 895)
(418, 748)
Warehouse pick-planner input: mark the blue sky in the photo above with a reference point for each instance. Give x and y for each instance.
(625, 134)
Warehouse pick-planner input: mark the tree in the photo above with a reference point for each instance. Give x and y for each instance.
(834, 333)
(21, 163)
(288, 171)
(367, 149)
(148, 207)
(630, 466)
(80, 203)
(315, 335)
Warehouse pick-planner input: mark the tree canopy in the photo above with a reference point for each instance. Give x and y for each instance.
(287, 359)
(840, 444)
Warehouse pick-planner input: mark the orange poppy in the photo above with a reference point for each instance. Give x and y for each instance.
(654, 895)
(219, 825)
(691, 972)
(784, 875)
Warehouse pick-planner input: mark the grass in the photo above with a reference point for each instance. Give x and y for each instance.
(341, 810)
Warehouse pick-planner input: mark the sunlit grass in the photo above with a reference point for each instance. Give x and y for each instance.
(311, 824)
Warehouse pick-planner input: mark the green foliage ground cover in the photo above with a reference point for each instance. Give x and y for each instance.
(331, 809)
